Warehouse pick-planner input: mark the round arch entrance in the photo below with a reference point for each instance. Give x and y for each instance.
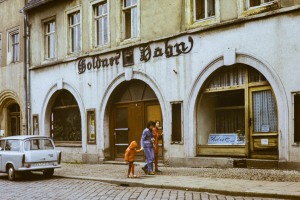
(237, 115)
(133, 103)
(10, 115)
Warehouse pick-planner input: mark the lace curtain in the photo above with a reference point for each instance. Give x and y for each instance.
(229, 76)
(264, 112)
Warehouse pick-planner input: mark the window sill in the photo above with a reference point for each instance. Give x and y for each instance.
(203, 22)
(296, 144)
(130, 41)
(178, 143)
(260, 9)
(67, 144)
(101, 47)
(49, 60)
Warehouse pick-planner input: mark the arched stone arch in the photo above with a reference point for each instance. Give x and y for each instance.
(103, 116)
(48, 103)
(272, 77)
(8, 97)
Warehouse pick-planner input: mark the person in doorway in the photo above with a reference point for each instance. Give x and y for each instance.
(147, 144)
(129, 157)
(157, 134)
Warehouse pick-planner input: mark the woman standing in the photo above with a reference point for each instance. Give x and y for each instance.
(157, 134)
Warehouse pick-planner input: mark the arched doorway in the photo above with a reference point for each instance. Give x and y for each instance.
(133, 104)
(65, 118)
(10, 117)
(237, 115)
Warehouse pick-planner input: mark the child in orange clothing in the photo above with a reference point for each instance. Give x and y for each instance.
(129, 157)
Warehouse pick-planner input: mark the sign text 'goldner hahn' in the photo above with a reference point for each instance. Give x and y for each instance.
(97, 62)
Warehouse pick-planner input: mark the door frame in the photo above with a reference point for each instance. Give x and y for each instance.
(272, 136)
(112, 121)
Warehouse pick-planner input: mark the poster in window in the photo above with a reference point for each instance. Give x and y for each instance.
(35, 123)
(91, 126)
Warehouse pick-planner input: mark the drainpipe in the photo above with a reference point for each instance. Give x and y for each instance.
(27, 103)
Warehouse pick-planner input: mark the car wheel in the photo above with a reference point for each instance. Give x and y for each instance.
(48, 173)
(11, 173)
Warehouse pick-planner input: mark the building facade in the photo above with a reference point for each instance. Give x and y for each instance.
(220, 75)
(13, 103)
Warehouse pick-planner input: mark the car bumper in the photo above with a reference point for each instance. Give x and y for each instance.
(38, 168)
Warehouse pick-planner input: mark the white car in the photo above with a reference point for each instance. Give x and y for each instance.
(28, 153)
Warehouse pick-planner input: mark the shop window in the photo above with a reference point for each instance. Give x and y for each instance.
(204, 9)
(253, 3)
(75, 31)
(130, 19)
(176, 122)
(13, 46)
(65, 118)
(101, 23)
(296, 117)
(50, 40)
(91, 126)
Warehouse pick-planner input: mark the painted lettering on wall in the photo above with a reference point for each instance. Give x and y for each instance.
(96, 62)
(170, 50)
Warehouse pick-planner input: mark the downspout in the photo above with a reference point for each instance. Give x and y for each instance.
(27, 103)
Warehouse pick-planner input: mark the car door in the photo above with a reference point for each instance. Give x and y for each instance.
(2, 145)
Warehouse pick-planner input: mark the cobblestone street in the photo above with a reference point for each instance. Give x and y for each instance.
(62, 188)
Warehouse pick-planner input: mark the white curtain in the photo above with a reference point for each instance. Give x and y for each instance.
(228, 77)
(264, 112)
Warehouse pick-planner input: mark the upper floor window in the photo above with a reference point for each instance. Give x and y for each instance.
(130, 19)
(101, 23)
(253, 3)
(75, 32)
(50, 39)
(204, 9)
(13, 50)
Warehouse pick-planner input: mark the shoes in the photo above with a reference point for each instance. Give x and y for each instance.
(151, 173)
(145, 170)
(157, 170)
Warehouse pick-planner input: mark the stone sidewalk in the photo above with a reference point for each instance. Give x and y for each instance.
(192, 179)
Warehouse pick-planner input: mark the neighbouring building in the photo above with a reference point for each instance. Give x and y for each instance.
(222, 76)
(13, 82)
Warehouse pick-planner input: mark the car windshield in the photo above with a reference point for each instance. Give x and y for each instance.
(38, 144)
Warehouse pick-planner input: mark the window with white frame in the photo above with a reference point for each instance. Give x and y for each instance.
(253, 3)
(204, 9)
(50, 40)
(75, 32)
(130, 19)
(13, 46)
(101, 23)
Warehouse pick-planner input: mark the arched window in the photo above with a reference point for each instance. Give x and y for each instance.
(65, 118)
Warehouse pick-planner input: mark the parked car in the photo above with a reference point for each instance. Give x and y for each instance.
(28, 153)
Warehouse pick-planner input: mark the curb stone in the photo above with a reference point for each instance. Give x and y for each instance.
(126, 183)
